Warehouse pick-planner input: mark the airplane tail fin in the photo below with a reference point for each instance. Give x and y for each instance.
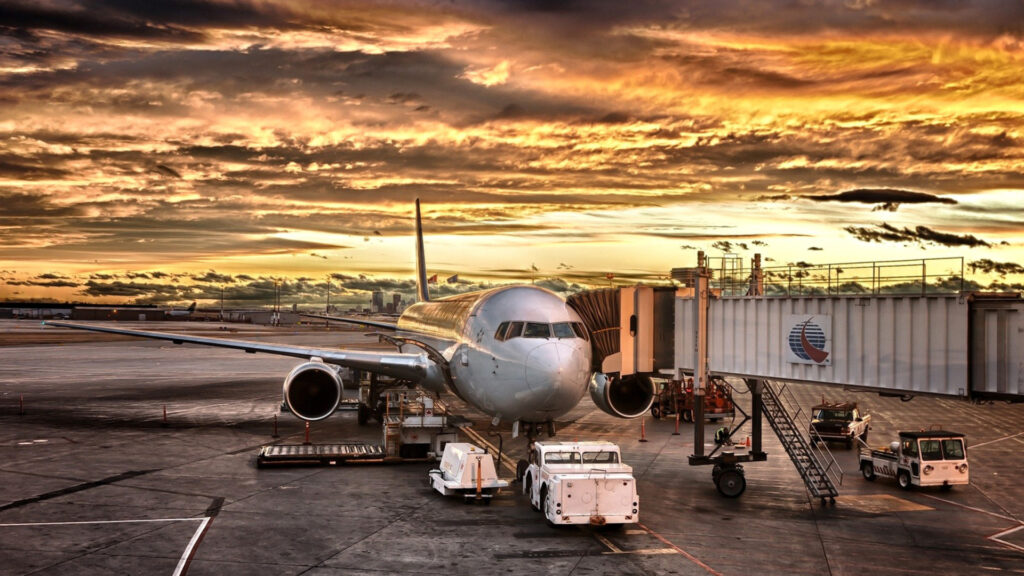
(192, 308)
(421, 265)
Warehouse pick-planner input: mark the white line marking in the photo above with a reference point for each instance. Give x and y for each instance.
(615, 549)
(186, 556)
(973, 446)
(101, 522)
(970, 507)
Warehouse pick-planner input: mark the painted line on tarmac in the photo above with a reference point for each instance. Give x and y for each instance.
(998, 538)
(995, 537)
(505, 460)
(973, 446)
(689, 556)
(186, 556)
(971, 508)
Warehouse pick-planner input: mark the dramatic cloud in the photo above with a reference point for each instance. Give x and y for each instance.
(921, 234)
(886, 199)
(282, 139)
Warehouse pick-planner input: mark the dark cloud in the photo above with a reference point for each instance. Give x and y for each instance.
(921, 234)
(887, 199)
(1001, 268)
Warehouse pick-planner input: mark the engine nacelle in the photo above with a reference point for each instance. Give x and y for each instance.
(627, 397)
(312, 390)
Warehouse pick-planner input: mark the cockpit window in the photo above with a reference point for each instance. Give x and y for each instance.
(499, 334)
(515, 330)
(581, 331)
(563, 330)
(537, 330)
(510, 330)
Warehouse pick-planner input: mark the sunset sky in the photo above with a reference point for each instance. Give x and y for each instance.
(164, 151)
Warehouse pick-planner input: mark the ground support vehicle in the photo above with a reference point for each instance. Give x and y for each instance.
(839, 422)
(580, 483)
(673, 397)
(466, 470)
(921, 458)
(411, 431)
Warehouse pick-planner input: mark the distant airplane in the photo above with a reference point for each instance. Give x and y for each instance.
(173, 313)
(517, 353)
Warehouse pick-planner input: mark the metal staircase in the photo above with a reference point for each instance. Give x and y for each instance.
(817, 466)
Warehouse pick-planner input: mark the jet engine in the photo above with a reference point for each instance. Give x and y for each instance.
(626, 397)
(312, 390)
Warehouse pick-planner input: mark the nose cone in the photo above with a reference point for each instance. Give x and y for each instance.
(558, 373)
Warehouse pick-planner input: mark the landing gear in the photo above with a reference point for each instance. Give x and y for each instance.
(730, 480)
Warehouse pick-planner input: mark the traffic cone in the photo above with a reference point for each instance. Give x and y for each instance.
(643, 430)
(748, 441)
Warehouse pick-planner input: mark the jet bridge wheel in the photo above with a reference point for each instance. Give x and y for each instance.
(730, 481)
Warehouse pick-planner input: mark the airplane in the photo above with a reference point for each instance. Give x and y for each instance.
(172, 313)
(518, 353)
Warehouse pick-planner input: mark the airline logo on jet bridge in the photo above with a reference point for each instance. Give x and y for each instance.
(809, 339)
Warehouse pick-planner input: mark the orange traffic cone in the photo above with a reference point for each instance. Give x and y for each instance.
(748, 441)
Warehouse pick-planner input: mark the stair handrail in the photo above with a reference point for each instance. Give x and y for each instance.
(818, 450)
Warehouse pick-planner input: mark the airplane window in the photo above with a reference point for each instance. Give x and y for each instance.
(580, 330)
(563, 330)
(515, 330)
(499, 334)
(537, 330)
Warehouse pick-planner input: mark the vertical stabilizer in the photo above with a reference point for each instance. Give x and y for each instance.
(421, 264)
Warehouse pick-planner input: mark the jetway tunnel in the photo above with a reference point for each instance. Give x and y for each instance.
(968, 345)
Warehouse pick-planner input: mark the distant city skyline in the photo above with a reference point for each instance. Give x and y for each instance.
(167, 152)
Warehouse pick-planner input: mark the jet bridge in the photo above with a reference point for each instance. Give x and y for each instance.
(969, 345)
(965, 344)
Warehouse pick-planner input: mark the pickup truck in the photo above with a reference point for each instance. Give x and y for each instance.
(581, 483)
(838, 421)
(922, 458)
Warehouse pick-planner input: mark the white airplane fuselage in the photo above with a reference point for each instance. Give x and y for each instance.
(516, 352)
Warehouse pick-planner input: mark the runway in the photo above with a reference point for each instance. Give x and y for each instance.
(95, 480)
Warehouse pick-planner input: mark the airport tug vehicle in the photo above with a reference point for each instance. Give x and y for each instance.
(921, 458)
(466, 470)
(580, 483)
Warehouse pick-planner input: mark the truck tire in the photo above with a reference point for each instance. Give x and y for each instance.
(544, 505)
(656, 411)
(687, 416)
(731, 483)
(521, 467)
(868, 470)
(903, 479)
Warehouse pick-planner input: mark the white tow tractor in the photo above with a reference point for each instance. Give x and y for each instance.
(466, 470)
(922, 458)
(580, 483)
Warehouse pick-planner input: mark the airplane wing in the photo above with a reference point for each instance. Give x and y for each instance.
(413, 367)
(371, 323)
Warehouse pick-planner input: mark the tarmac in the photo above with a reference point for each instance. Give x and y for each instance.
(96, 479)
